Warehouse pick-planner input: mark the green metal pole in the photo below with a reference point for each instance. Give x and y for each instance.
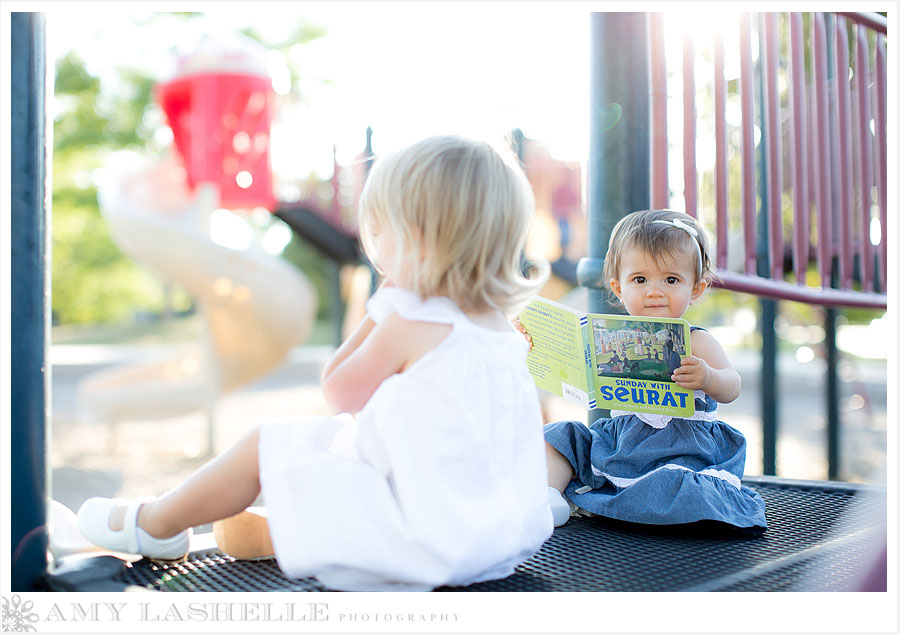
(769, 383)
(29, 294)
(619, 152)
(832, 354)
(832, 388)
(768, 307)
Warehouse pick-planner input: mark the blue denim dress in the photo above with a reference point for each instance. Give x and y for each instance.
(660, 470)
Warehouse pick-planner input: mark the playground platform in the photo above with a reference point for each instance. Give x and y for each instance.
(822, 534)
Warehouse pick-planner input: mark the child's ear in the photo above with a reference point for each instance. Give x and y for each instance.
(616, 287)
(699, 289)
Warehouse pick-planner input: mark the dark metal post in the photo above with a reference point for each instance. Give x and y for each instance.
(832, 388)
(30, 301)
(337, 301)
(370, 160)
(619, 154)
(768, 308)
(769, 383)
(517, 144)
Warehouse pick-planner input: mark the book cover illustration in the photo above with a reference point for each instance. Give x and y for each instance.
(634, 362)
(617, 362)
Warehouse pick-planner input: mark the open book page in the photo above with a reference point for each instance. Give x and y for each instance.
(618, 362)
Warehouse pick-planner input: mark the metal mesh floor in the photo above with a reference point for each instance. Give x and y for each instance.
(820, 537)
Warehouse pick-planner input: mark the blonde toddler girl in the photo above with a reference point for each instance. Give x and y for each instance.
(441, 477)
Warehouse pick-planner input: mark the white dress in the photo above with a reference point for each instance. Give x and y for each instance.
(441, 481)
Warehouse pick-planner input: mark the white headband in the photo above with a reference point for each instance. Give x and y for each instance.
(693, 233)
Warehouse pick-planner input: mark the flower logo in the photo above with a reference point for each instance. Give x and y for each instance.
(18, 616)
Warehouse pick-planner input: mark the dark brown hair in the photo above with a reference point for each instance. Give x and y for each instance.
(662, 241)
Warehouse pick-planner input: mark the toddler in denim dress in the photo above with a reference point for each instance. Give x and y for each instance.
(650, 468)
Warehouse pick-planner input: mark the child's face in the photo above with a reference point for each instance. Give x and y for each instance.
(394, 266)
(650, 289)
(385, 248)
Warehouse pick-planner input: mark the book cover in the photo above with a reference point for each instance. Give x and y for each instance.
(618, 362)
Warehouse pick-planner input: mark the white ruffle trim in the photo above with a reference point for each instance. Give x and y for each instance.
(410, 306)
(659, 422)
(621, 481)
(654, 421)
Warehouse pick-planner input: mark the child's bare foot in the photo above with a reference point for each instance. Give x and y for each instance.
(245, 536)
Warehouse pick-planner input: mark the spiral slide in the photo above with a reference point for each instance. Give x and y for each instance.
(257, 307)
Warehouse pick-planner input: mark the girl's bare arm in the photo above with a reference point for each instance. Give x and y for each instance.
(372, 354)
(708, 369)
(361, 363)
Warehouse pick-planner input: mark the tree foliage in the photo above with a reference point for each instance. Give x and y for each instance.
(94, 117)
(92, 280)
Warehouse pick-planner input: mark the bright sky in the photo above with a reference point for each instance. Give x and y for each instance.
(407, 70)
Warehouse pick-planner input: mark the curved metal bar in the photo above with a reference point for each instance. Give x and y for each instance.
(874, 21)
(783, 290)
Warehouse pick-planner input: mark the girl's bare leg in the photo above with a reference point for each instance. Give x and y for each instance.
(223, 487)
(559, 470)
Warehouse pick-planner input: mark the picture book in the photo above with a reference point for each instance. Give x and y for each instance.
(617, 362)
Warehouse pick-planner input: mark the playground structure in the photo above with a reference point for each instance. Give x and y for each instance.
(804, 228)
(255, 307)
(840, 526)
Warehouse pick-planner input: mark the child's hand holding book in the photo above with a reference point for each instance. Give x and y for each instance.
(521, 329)
(694, 373)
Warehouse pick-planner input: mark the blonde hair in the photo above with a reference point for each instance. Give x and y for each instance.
(464, 208)
(663, 241)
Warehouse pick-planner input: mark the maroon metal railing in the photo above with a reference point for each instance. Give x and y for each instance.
(690, 129)
(659, 157)
(828, 143)
(769, 36)
(800, 134)
(720, 93)
(748, 150)
(821, 148)
(844, 154)
(881, 142)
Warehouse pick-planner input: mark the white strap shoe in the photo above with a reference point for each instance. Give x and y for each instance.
(93, 523)
(65, 539)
